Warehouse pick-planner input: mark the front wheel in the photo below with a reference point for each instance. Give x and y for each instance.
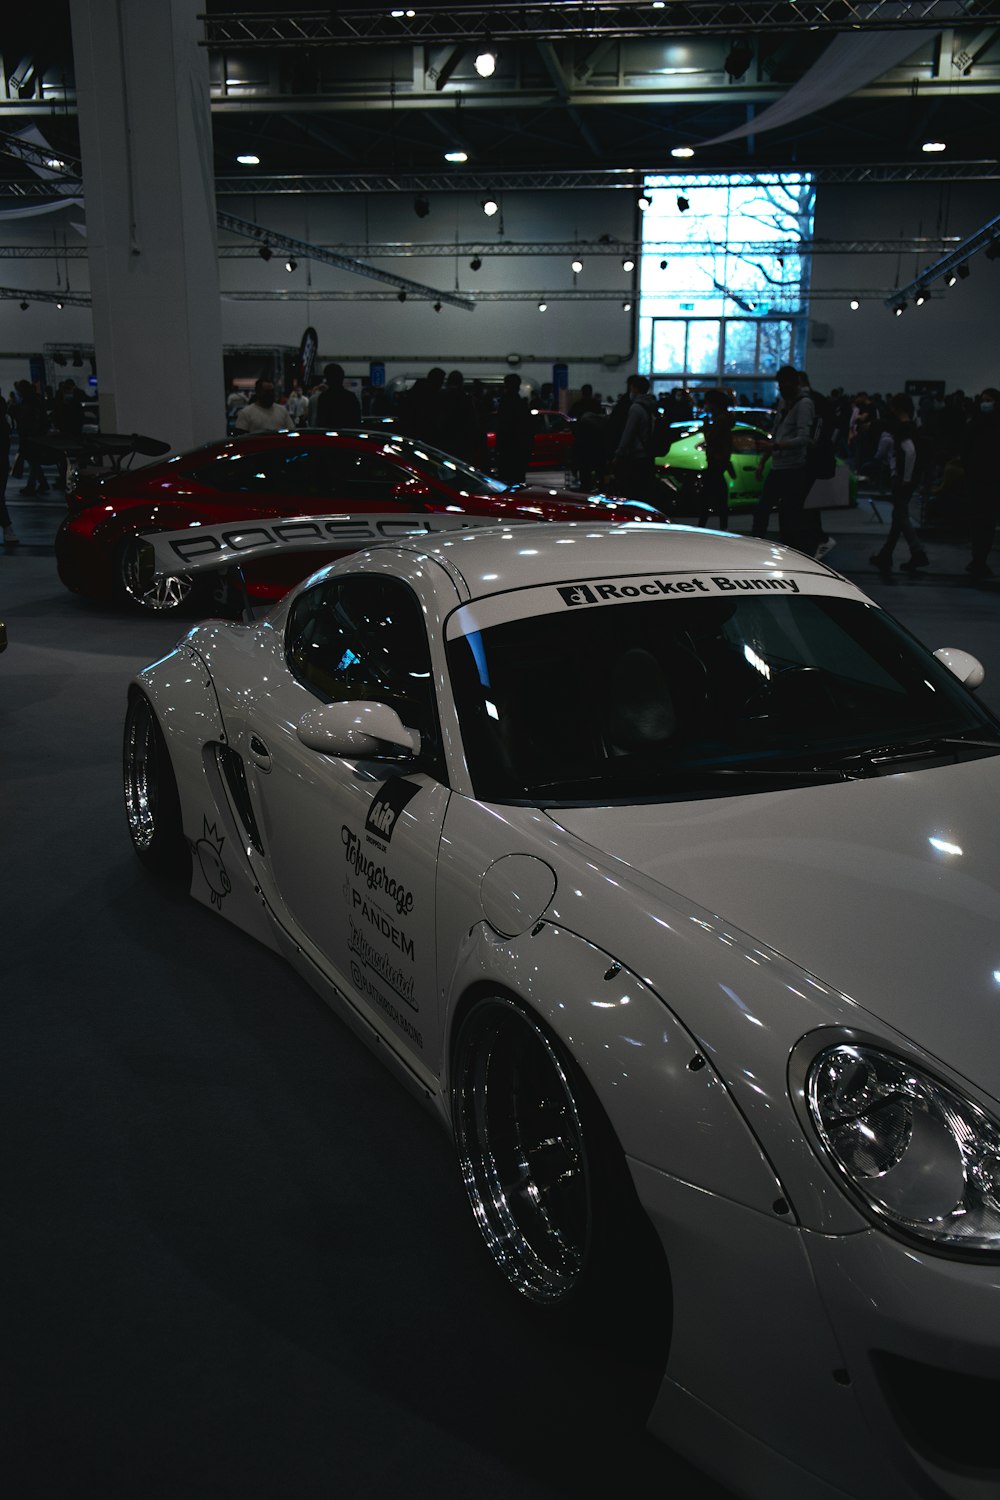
(137, 586)
(152, 803)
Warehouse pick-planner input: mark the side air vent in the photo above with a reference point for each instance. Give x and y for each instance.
(231, 765)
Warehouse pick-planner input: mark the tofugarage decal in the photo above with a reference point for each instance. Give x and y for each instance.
(382, 951)
(209, 851)
(387, 806)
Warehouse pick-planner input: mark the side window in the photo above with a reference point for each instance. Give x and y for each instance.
(290, 472)
(352, 474)
(364, 637)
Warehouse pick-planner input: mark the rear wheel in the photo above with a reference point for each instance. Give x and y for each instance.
(152, 804)
(137, 586)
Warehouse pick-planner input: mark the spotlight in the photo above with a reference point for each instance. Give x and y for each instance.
(934, 146)
(739, 58)
(681, 151)
(920, 298)
(576, 267)
(663, 265)
(291, 265)
(855, 304)
(644, 203)
(437, 307)
(683, 204)
(626, 307)
(78, 362)
(59, 305)
(951, 278)
(248, 160)
(628, 264)
(59, 359)
(456, 156)
(421, 206)
(24, 306)
(490, 206)
(265, 252)
(475, 263)
(542, 306)
(400, 296)
(992, 251)
(486, 61)
(963, 272)
(899, 309)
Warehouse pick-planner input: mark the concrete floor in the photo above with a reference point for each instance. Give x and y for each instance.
(237, 1257)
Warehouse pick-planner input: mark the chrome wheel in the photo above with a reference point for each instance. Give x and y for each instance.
(138, 585)
(152, 806)
(522, 1152)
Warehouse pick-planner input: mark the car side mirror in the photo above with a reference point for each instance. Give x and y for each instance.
(967, 668)
(361, 729)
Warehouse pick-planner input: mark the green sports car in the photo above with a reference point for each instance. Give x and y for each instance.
(684, 464)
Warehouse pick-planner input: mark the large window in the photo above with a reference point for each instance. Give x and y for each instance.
(724, 281)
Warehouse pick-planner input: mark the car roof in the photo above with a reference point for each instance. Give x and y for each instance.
(495, 559)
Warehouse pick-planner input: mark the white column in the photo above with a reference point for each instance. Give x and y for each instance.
(146, 141)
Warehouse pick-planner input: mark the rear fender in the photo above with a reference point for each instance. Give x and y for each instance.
(182, 693)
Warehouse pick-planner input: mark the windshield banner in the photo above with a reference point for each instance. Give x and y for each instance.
(596, 593)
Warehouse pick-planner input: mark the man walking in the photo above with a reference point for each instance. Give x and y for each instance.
(789, 481)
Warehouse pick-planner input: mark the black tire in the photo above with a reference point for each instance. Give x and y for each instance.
(136, 587)
(547, 1180)
(152, 805)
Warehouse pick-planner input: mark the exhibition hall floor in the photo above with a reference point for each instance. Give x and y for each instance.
(238, 1257)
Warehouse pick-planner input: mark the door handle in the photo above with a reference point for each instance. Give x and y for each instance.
(259, 753)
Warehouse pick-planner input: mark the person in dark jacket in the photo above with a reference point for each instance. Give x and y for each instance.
(633, 472)
(337, 406)
(421, 409)
(514, 432)
(32, 426)
(718, 430)
(459, 419)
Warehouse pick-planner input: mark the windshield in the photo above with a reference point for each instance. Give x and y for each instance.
(701, 697)
(443, 467)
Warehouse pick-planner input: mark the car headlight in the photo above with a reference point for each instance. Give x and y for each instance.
(920, 1157)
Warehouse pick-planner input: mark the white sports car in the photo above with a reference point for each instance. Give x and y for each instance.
(659, 863)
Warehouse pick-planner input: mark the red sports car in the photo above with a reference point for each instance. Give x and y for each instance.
(551, 443)
(282, 474)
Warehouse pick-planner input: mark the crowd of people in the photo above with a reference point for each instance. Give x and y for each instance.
(943, 447)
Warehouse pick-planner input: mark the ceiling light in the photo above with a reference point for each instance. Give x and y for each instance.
(576, 267)
(54, 163)
(291, 265)
(920, 298)
(437, 307)
(855, 304)
(628, 264)
(456, 156)
(421, 206)
(626, 307)
(683, 204)
(490, 206)
(542, 306)
(963, 272)
(899, 309)
(486, 62)
(475, 263)
(663, 265)
(59, 305)
(265, 252)
(249, 160)
(24, 306)
(400, 296)
(645, 202)
(992, 251)
(681, 151)
(934, 146)
(951, 278)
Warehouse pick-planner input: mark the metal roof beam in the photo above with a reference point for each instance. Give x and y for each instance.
(963, 252)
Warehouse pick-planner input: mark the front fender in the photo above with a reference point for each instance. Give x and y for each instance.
(667, 1105)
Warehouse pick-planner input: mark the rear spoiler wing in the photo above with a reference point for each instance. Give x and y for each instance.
(201, 549)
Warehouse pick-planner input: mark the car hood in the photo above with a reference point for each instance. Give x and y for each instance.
(885, 889)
